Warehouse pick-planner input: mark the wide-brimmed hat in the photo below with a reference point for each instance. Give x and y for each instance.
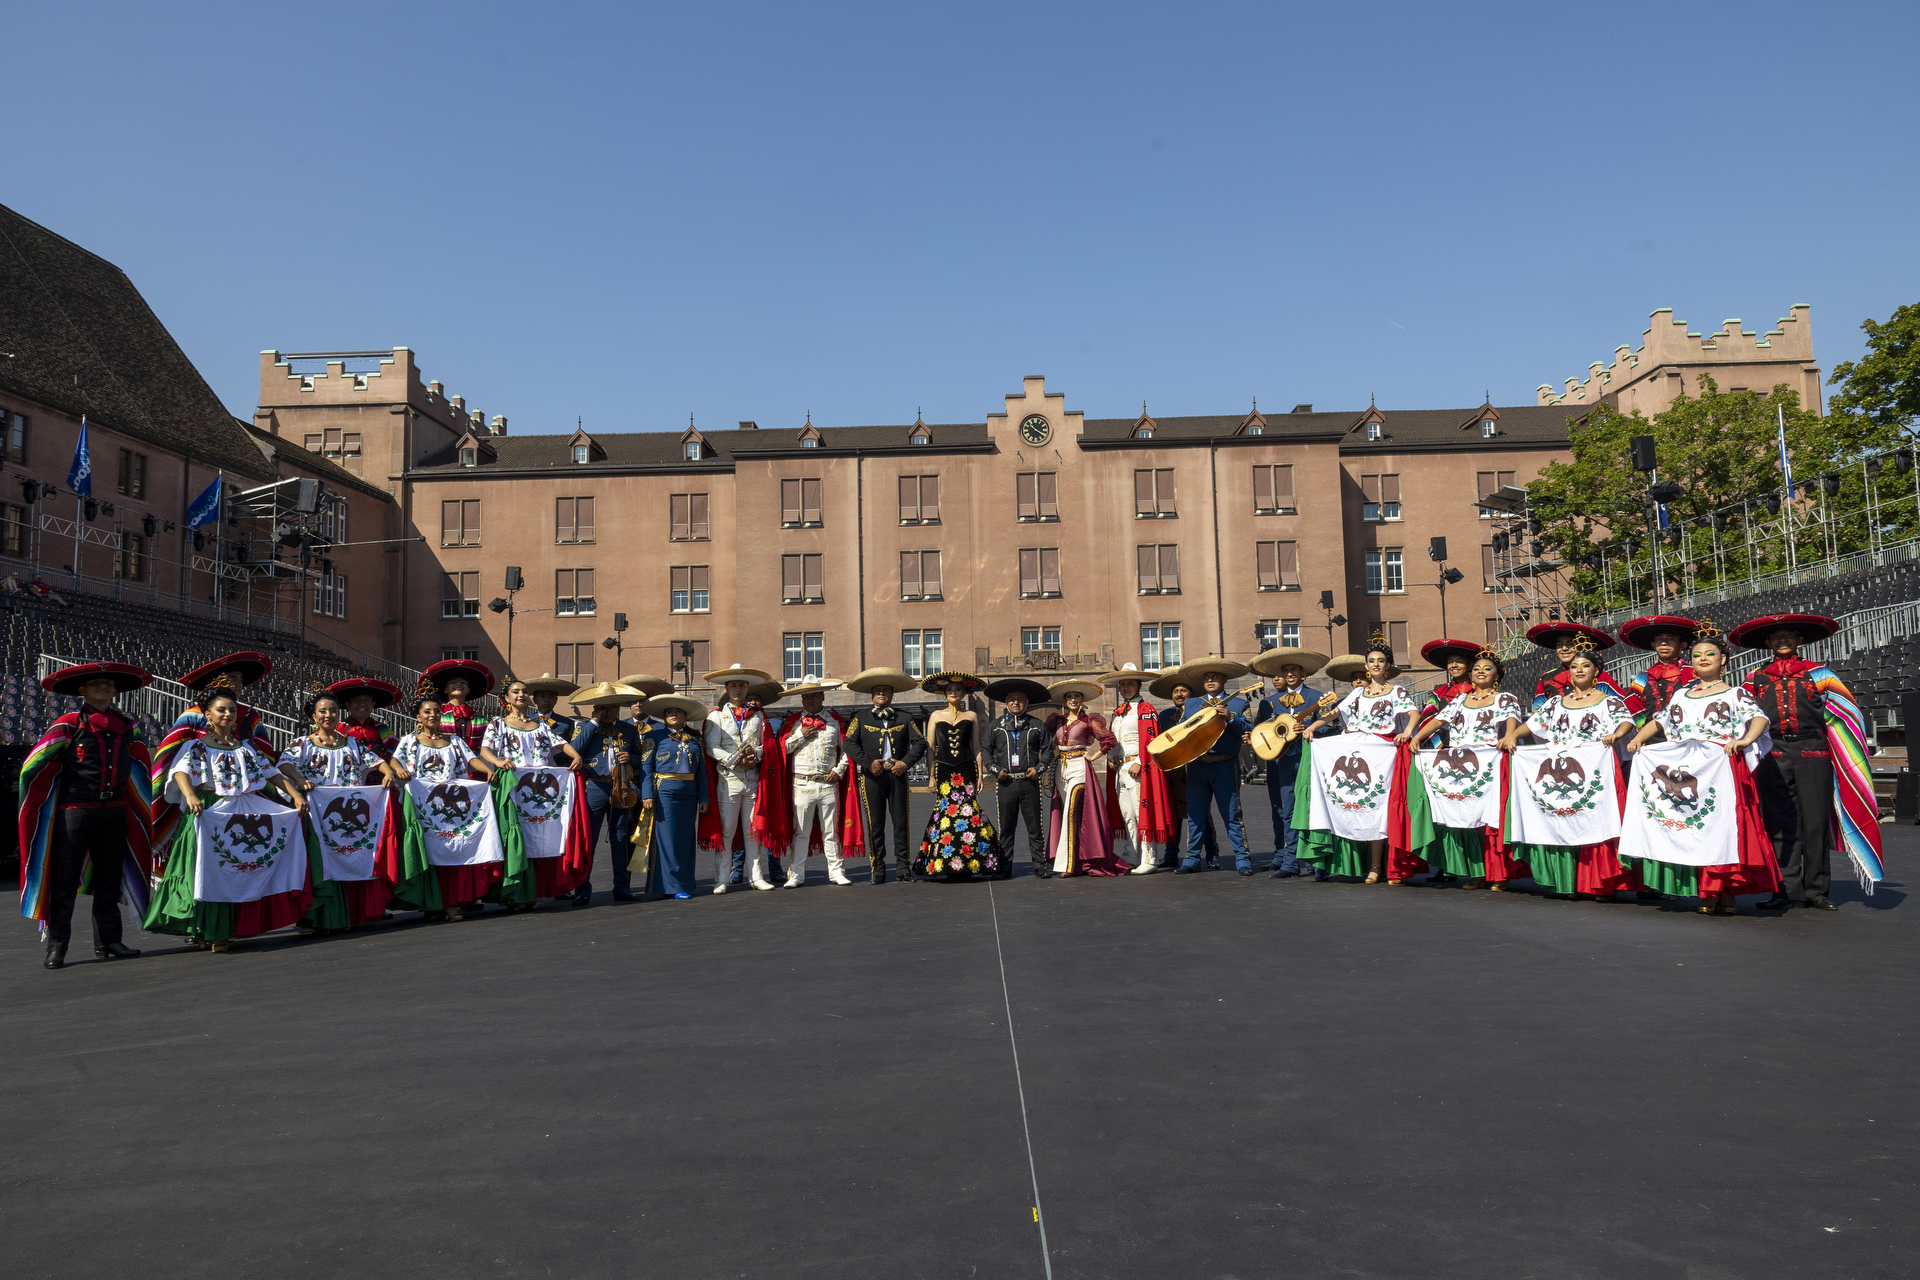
(812, 684)
(1270, 662)
(607, 694)
(1348, 666)
(1639, 633)
(252, 668)
(752, 675)
(649, 685)
(478, 675)
(383, 693)
(1165, 678)
(767, 692)
(939, 680)
(1033, 690)
(1811, 626)
(892, 677)
(1127, 671)
(1059, 689)
(659, 706)
(1440, 652)
(550, 683)
(1548, 635)
(125, 676)
(1198, 669)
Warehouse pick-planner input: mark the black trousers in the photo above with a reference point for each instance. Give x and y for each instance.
(77, 835)
(1796, 800)
(1020, 801)
(883, 798)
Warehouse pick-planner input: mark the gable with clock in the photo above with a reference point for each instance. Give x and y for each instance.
(1035, 429)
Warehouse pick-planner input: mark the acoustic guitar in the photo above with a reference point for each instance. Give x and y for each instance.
(1272, 737)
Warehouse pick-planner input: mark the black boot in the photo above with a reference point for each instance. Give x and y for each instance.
(1778, 902)
(113, 951)
(56, 954)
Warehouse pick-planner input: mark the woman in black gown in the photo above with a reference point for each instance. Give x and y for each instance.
(959, 843)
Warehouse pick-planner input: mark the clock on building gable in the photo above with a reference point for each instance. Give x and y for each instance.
(1035, 430)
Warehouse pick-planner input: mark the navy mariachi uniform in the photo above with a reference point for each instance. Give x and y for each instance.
(1015, 745)
(884, 734)
(1281, 772)
(597, 747)
(673, 774)
(1215, 778)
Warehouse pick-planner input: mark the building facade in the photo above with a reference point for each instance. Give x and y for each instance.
(1671, 360)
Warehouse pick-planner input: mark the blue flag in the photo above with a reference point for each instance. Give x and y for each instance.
(1786, 463)
(80, 474)
(206, 507)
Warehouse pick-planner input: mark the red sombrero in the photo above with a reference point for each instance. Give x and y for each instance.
(382, 693)
(125, 676)
(477, 675)
(1640, 632)
(1440, 652)
(1549, 634)
(253, 668)
(1811, 626)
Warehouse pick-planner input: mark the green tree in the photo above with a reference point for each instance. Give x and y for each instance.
(1884, 384)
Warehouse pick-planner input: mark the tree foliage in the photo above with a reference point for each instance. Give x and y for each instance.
(1883, 385)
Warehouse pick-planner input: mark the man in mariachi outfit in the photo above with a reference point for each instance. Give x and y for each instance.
(457, 682)
(1179, 690)
(605, 743)
(737, 742)
(1019, 754)
(1561, 638)
(884, 743)
(546, 693)
(1814, 783)
(765, 698)
(819, 774)
(1138, 798)
(362, 696)
(1214, 779)
(235, 671)
(1671, 639)
(1288, 669)
(84, 811)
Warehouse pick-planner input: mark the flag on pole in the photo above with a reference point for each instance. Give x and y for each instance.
(1786, 463)
(80, 474)
(206, 507)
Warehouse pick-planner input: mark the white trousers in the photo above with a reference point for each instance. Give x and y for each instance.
(816, 802)
(736, 812)
(1127, 787)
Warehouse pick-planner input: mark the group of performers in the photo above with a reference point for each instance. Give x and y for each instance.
(217, 836)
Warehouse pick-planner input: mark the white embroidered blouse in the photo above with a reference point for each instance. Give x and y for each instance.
(434, 764)
(521, 748)
(1717, 718)
(1387, 713)
(225, 771)
(1479, 726)
(1555, 723)
(341, 766)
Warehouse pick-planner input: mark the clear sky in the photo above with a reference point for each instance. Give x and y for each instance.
(628, 215)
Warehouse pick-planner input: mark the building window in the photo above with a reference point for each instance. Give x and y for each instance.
(573, 520)
(582, 453)
(1273, 490)
(923, 439)
(16, 425)
(805, 655)
(350, 444)
(1490, 483)
(470, 457)
(133, 557)
(691, 587)
(1040, 572)
(1380, 497)
(810, 443)
(573, 593)
(13, 531)
(1153, 494)
(1290, 633)
(920, 575)
(1269, 632)
(1395, 571)
(920, 654)
(330, 594)
(691, 659)
(574, 662)
(687, 516)
(800, 504)
(1373, 573)
(1159, 645)
(1277, 565)
(1487, 428)
(460, 522)
(340, 512)
(1144, 433)
(1158, 569)
(458, 654)
(1033, 639)
(691, 451)
(1373, 431)
(460, 595)
(1488, 569)
(800, 579)
(919, 499)
(133, 474)
(1036, 495)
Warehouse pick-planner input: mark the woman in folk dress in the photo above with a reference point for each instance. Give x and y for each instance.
(1587, 712)
(522, 739)
(432, 754)
(1479, 717)
(1079, 834)
(1708, 709)
(959, 842)
(327, 757)
(1386, 710)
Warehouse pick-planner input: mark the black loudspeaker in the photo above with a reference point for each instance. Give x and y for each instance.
(1640, 448)
(1437, 549)
(306, 496)
(619, 622)
(514, 581)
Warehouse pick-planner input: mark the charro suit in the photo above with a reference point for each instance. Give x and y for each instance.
(885, 734)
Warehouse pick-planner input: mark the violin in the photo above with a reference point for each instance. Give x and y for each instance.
(624, 795)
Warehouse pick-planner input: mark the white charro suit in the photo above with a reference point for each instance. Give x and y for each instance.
(817, 763)
(728, 740)
(1125, 726)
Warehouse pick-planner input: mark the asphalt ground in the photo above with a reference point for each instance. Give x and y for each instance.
(1217, 1077)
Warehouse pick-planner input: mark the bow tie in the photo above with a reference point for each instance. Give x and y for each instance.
(883, 716)
(1123, 708)
(742, 714)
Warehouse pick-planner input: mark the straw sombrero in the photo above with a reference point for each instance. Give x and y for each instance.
(649, 685)
(607, 694)
(695, 709)
(1165, 678)
(1270, 662)
(725, 675)
(1058, 691)
(1348, 666)
(1227, 669)
(892, 677)
(550, 683)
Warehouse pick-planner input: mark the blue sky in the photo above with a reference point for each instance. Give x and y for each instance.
(629, 215)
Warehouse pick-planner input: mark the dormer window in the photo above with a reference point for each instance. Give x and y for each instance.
(1487, 428)
(1144, 433)
(920, 438)
(1254, 431)
(1373, 431)
(581, 453)
(692, 450)
(470, 457)
(809, 443)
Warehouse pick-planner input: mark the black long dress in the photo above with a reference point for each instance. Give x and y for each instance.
(959, 843)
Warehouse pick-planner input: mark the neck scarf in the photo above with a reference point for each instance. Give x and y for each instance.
(812, 723)
(742, 714)
(1786, 667)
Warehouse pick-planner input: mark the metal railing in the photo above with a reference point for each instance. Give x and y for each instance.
(1859, 632)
